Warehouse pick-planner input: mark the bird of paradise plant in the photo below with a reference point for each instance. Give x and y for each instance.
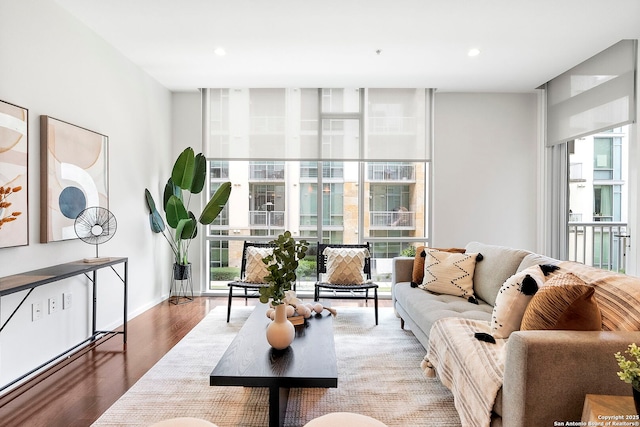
(188, 176)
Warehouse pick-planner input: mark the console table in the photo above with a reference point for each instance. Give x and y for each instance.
(30, 280)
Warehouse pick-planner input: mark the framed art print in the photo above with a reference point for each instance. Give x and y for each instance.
(74, 176)
(14, 168)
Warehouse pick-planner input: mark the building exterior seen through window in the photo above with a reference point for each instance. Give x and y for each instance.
(598, 199)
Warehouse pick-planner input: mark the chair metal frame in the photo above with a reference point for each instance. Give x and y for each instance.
(356, 291)
(253, 287)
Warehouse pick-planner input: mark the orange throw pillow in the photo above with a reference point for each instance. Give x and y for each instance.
(564, 303)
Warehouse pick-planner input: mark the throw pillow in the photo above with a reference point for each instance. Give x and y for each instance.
(418, 262)
(255, 268)
(449, 273)
(344, 266)
(565, 303)
(512, 300)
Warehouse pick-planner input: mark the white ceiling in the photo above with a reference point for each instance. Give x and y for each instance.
(333, 43)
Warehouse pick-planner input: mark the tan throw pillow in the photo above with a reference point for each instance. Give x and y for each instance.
(418, 262)
(345, 266)
(256, 269)
(449, 273)
(565, 303)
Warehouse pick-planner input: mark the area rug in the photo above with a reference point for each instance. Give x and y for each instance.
(379, 375)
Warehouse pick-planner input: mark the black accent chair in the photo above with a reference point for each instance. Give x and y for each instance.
(251, 290)
(355, 291)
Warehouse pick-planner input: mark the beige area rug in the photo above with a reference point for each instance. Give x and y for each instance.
(379, 375)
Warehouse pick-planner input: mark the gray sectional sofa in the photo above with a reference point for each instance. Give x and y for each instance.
(545, 374)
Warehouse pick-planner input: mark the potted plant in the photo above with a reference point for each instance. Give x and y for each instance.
(630, 371)
(187, 178)
(281, 264)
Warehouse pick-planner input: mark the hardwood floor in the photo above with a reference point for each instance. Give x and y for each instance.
(76, 394)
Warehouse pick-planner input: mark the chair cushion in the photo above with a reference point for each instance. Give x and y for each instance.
(449, 273)
(345, 266)
(565, 303)
(256, 269)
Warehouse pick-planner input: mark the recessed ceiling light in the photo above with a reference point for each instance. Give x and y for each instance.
(473, 52)
(220, 51)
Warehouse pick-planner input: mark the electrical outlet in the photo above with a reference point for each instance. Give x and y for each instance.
(36, 311)
(53, 305)
(66, 300)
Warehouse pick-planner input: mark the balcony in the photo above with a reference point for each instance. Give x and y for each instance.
(394, 172)
(392, 220)
(263, 172)
(601, 244)
(266, 219)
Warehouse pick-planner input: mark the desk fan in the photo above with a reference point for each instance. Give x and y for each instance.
(95, 225)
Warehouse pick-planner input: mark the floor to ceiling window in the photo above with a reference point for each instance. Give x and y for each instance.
(297, 161)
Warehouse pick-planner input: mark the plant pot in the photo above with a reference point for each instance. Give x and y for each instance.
(636, 399)
(280, 332)
(181, 271)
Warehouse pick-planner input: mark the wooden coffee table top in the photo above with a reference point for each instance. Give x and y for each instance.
(250, 361)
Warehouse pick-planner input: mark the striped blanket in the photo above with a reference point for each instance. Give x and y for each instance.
(471, 369)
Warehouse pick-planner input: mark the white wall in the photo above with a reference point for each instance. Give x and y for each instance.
(485, 169)
(53, 65)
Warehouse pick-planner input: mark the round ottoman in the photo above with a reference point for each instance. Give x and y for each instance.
(184, 422)
(344, 418)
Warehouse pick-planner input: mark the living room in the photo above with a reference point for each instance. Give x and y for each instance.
(488, 173)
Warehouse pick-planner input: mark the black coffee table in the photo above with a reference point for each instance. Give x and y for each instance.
(250, 361)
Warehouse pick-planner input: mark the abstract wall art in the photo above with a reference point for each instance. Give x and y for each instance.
(74, 176)
(14, 146)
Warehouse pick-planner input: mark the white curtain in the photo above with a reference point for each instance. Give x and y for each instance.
(596, 95)
(317, 124)
(557, 201)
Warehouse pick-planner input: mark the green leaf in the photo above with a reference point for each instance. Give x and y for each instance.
(151, 204)
(183, 168)
(175, 211)
(216, 204)
(190, 229)
(170, 189)
(199, 174)
(156, 222)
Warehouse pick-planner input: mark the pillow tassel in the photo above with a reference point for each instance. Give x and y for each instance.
(529, 286)
(423, 254)
(548, 268)
(483, 336)
(414, 285)
(473, 300)
(479, 257)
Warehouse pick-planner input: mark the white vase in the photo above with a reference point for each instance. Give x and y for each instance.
(280, 332)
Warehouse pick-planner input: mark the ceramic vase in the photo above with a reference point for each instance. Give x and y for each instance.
(636, 399)
(280, 332)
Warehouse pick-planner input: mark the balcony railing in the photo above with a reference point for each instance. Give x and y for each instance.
(390, 172)
(600, 244)
(266, 219)
(266, 173)
(385, 220)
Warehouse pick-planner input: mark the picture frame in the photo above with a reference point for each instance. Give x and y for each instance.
(74, 176)
(14, 172)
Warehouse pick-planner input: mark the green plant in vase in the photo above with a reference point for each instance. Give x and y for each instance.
(282, 264)
(188, 177)
(630, 371)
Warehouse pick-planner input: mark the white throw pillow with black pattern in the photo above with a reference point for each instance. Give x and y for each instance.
(255, 269)
(449, 273)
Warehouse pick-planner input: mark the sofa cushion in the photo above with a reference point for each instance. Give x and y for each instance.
(418, 263)
(426, 307)
(512, 300)
(256, 269)
(345, 265)
(498, 264)
(565, 303)
(449, 273)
